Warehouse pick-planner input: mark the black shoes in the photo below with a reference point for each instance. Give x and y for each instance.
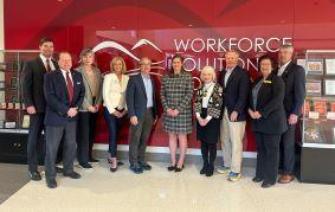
(51, 183)
(171, 168)
(86, 165)
(136, 169)
(73, 175)
(267, 185)
(177, 169)
(203, 170)
(35, 176)
(257, 179)
(209, 171)
(145, 166)
(93, 160)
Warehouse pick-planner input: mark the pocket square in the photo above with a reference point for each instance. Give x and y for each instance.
(78, 83)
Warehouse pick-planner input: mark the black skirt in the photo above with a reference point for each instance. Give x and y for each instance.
(209, 133)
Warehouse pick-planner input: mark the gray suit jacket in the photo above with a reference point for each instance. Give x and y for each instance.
(88, 99)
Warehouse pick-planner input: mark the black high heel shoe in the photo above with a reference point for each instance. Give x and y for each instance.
(177, 169)
(171, 168)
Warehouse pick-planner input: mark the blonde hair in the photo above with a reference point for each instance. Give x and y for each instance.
(114, 60)
(208, 69)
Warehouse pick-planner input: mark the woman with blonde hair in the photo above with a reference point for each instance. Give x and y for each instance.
(114, 89)
(208, 108)
(89, 109)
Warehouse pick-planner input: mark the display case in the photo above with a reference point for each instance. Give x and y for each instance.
(318, 137)
(14, 121)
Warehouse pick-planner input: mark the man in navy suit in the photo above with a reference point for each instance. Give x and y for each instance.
(235, 82)
(140, 97)
(64, 93)
(294, 78)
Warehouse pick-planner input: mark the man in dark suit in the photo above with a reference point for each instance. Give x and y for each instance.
(32, 83)
(64, 93)
(294, 79)
(140, 97)
(235, 82)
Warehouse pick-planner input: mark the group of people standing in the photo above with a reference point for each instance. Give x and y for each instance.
(64, 103)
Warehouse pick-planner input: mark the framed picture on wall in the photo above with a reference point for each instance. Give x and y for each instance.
(315, 67)
(330, 66)
(329, 87)
(13, 83)
(314, 87)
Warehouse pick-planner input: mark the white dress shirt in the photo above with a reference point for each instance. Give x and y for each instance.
(64, 75)
(282, 69)
(114, 92)
(227, 75)
(44, 60)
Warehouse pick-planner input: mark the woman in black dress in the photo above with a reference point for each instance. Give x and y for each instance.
(208, 106)
(268, 121)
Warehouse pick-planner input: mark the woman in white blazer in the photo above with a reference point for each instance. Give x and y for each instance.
(114, 89)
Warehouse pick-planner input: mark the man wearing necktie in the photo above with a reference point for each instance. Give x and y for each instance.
(33, 96)
(64, 93)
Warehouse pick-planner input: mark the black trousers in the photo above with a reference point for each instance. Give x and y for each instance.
(208, 153)
(85, 136)
(267, 157)
(54, 136)
(34, 137)
(287, 150)
(139, 136)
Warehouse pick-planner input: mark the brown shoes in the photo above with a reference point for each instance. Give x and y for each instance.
(286, 178)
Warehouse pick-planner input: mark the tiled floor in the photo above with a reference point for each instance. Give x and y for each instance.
(160, 190)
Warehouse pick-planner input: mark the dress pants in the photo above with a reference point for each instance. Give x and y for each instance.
(267, 157)
(33, 145)
(85, 135)
(288, 150)
(113, 124)
(54, 136)
(139, 136)
(231, 137)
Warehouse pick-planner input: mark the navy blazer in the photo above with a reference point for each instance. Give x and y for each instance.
(136, 97)
(32, 83)
(57, 101)
(270, 105)
(294, 79)
(236, 92)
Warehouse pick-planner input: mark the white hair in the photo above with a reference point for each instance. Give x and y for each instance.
(208, 69)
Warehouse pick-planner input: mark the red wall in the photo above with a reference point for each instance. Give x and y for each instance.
(309, 24)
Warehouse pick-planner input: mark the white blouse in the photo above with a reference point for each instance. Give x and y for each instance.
(114, 92)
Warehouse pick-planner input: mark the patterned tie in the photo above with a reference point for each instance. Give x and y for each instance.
(48, 66)
(69, 86)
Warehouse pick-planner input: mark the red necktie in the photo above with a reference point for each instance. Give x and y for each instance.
(48, 67)
(69, 86)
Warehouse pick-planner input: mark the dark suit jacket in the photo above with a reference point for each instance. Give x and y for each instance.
(294, 79)
(32, 83)
(270, 105)
(236, 92)
(57, 102)
(136, 97)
